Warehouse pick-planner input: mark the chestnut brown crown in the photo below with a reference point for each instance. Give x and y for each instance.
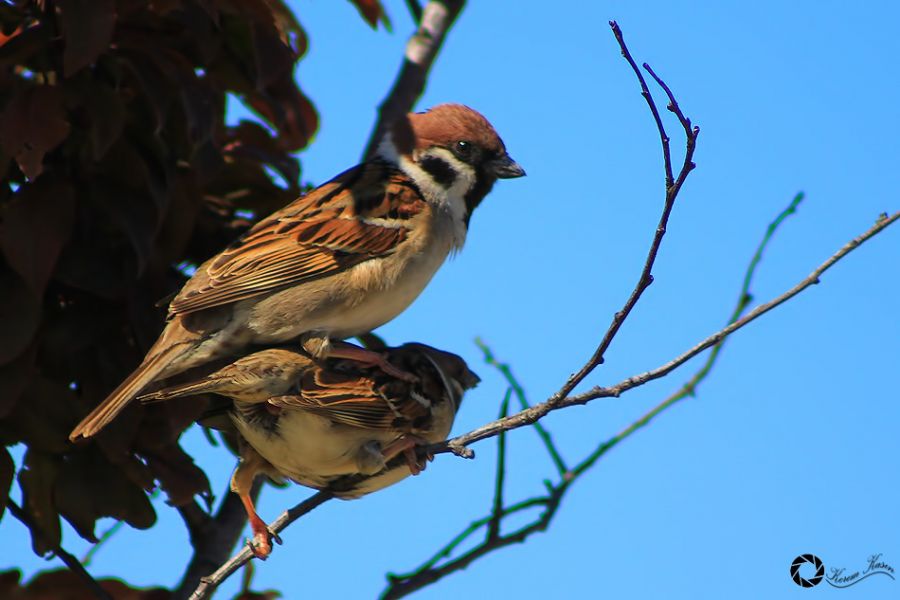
(461, 130)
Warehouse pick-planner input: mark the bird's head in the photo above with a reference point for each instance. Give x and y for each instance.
(450, 151)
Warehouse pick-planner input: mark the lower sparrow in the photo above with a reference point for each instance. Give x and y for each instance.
(335, 424)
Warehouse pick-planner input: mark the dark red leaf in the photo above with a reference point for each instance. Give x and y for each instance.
(78, 267)
(7, 470)
(178, 224)
(36, 225)
(37, 479)
(45, 415)
(14, 378)
(133, 213)
(372, 11)
(285, 107)
(107, 113)
(21, 312)
(150, 82)
(16, 50)
(251, 141)
(65, 584)
(33, 123)
(164, 7)
(177, 473)
(273, 58)
(90, 487)
(87, 28)
(9, 583)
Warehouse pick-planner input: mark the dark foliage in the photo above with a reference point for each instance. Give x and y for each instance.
(117, 166)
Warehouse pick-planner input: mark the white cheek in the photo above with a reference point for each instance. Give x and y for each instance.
(452, 199)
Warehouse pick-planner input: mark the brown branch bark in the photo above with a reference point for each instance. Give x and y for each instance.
(209, 584)
(436, 20)
(212, 538)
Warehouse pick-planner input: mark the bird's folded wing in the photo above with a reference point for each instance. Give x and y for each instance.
(354, 401)
(362, 214)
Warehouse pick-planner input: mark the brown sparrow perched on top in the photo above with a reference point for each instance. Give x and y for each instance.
(344, 259)
(326, 423)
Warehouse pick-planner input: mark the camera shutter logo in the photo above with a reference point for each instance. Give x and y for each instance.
(816, 562)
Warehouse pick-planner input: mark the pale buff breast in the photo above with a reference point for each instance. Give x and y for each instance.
(360, 299)
(312, 450)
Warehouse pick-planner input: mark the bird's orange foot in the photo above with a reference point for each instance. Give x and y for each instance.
(407, 445)
(261, 543)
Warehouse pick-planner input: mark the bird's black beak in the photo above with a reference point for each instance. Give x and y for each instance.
(503, 167)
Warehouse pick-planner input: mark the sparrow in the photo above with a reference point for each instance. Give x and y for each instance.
(335, 424)
(340, 261)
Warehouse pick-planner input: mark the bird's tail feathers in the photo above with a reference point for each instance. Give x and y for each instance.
(177, 391)
(120, 397)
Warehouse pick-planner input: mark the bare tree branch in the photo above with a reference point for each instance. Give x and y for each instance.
(70, 560)
(672, 189)
(195, 519)
(421, 50)
(208, 584)
(213, 538)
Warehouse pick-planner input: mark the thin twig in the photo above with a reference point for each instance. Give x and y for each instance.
(400, 587)
(474, 526)
(648, 97)
(208, 584)
(497, 513)
(101, 541)
(690, 133)
(542, 432)
(672, 189)
(70, 560)
(436, 20)
(214, 540)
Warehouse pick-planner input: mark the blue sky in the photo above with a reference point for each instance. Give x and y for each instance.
(791, 445)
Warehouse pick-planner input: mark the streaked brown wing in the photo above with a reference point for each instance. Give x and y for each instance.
(361, 214)
(357, 401)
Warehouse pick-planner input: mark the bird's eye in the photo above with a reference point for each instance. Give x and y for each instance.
(463, 149)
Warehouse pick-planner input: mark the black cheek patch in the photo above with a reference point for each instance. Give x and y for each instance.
(440, 170)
